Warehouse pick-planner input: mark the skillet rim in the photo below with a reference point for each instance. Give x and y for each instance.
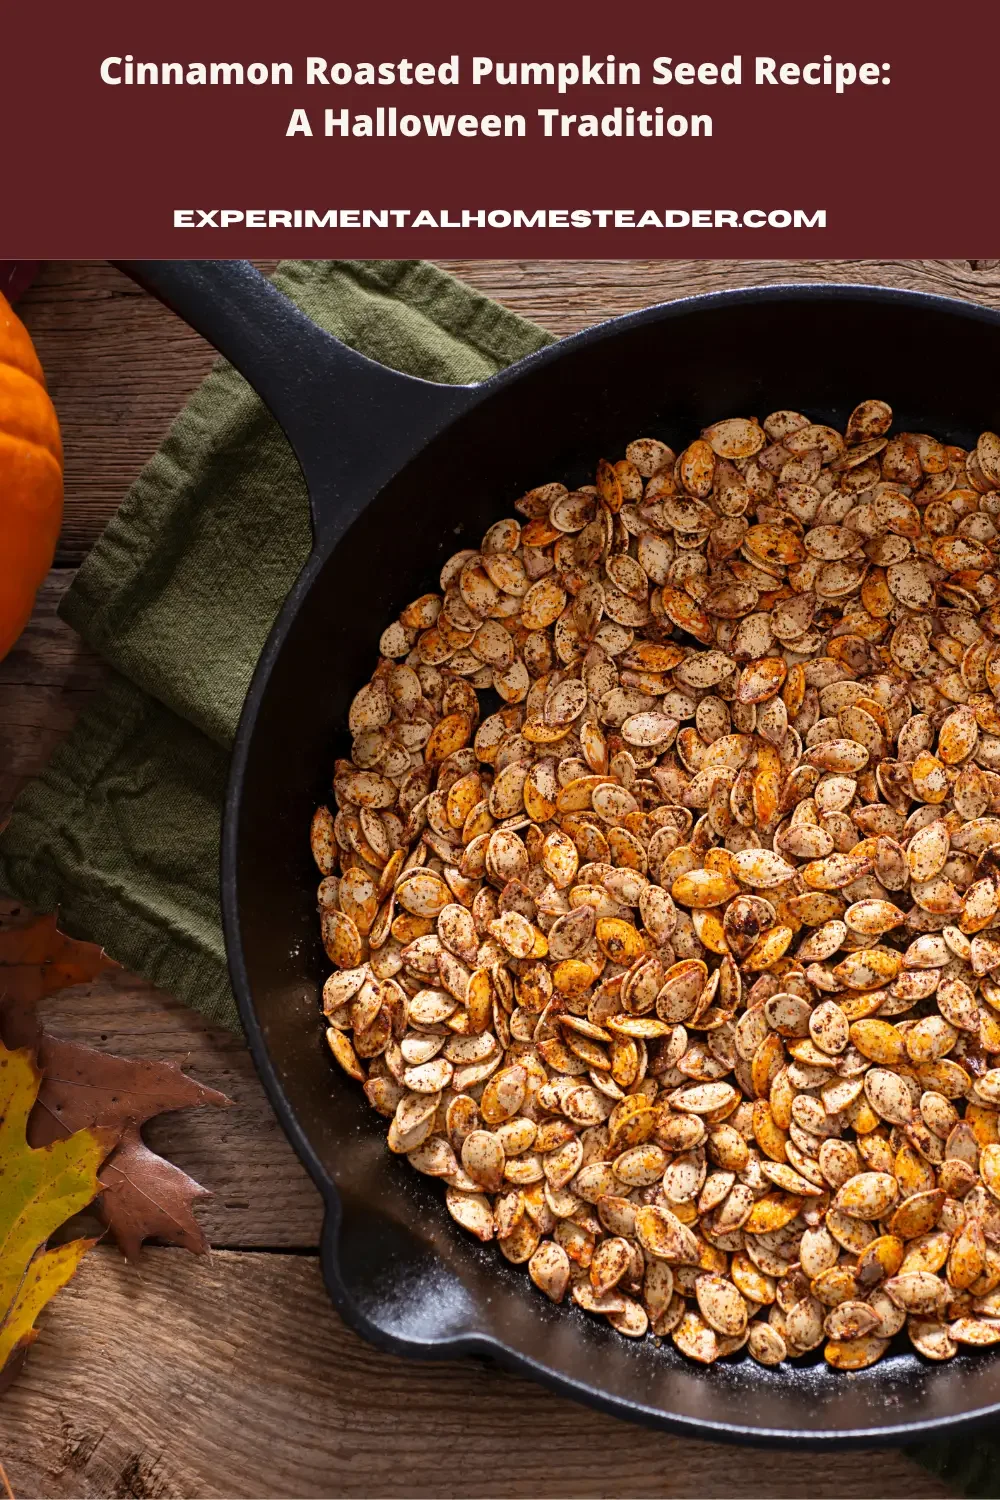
(327, 535)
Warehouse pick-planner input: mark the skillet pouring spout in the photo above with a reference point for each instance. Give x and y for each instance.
(426, 479)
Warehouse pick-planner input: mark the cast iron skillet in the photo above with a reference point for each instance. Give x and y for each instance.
(401, 474)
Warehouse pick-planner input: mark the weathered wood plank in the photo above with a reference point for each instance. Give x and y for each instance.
(46, 681)
(234, 1377)
(120, 366)
(261, 1195)
(570, 294)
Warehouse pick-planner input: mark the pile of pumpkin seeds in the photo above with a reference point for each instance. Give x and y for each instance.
(681, 967)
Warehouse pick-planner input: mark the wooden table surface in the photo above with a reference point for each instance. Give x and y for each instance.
(231, 1374)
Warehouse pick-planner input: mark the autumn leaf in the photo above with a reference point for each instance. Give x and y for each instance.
(36, 959)
(143, 1194)
(40, 1188)
(83, 1086)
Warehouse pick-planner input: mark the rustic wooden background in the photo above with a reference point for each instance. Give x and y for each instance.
(231, 1375)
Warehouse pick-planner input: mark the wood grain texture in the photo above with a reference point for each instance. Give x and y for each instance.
(567, 295)
(261, 1195)
(234, 1377)
(46, 681)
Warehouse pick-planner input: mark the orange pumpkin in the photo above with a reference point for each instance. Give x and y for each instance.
(31, 477)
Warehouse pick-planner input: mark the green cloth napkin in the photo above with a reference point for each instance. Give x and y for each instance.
(121, 831)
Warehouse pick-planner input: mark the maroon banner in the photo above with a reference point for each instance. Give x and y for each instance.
(516, 130)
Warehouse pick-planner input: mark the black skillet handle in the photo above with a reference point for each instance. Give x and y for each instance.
(352, 423)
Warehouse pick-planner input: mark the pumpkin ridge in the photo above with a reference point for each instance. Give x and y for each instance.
(31, 476)
(26, 410)
(29, 442)
(16, 348)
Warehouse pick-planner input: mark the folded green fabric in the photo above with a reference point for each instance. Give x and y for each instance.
(182, 589)
(122, 829)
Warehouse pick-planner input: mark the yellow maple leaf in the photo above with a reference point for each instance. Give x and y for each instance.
(40, 1188)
